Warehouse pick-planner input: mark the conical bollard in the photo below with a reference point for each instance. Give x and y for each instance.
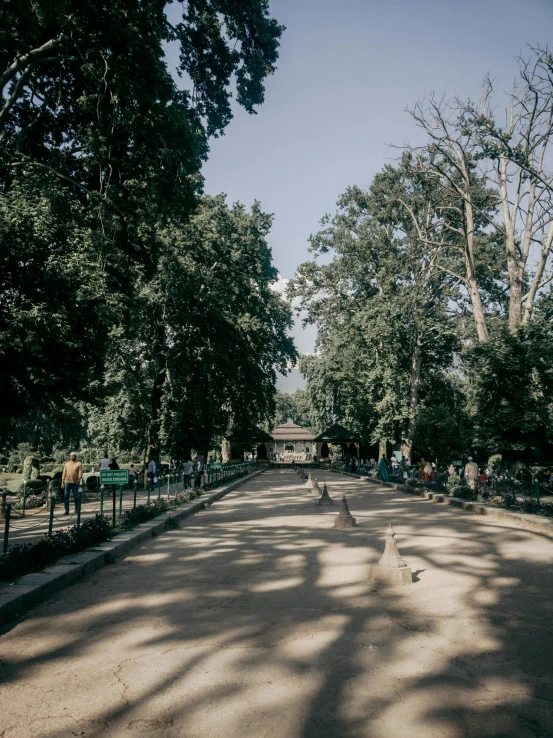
(325, 499)
(309, 481)
(344, 519)
(391, 568)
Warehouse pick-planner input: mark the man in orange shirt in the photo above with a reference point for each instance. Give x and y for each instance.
(70, 480)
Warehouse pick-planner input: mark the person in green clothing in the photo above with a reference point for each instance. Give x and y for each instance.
(383, 469)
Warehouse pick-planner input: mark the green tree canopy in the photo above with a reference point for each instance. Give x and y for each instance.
(100, 150)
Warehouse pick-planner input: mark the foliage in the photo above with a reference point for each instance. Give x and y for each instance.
(24, 558)
(296, 406)
(443, 429)
(380, 308)
(34, 485)
(142, 513)
(513, 392)
(100, 151)
(32, 501)
(181, 378)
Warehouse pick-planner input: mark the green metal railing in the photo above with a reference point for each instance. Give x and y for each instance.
(111, 496)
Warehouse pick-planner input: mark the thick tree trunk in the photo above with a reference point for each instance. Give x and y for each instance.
(477, 308)
(472, 284)
(407, 446)
(515, 293)
(225, 450)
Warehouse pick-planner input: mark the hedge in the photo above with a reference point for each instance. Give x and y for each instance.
(24, 558)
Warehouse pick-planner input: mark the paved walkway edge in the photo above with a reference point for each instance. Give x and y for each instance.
(521, 520)
(27, 591)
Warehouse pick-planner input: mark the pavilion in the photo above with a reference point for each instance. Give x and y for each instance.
(292, 442)
(337, 435)
(263, 443)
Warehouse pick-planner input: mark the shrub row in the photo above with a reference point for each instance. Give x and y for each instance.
(528, 505)
(487, 496)
(142, 513)
(24, 558)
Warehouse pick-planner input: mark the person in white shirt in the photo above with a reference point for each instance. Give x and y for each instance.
(152, 468)
(104, 463)
(187, 469)
(471, 473)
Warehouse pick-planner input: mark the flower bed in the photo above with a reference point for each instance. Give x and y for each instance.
(529, 505)
(31, 502)
(24, 558)
(488, 496)
(142, 513)
(436, 485)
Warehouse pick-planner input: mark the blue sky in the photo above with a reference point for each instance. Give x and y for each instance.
(347, 72)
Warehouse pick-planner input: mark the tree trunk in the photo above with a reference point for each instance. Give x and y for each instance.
(154, 422)
(382, 449)
(515, 293)
(537, 281)
(407, 446)
(225, 450)
(472, 284)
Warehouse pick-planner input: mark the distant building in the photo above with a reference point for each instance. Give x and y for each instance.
(336, 435)
(290, 439)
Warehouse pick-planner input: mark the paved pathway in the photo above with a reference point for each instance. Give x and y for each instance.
(255, 621)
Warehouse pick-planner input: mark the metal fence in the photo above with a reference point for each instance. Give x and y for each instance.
(36, 512)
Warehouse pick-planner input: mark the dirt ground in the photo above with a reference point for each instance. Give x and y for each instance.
(255, 620)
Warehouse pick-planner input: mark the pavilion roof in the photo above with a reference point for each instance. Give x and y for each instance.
(338, 433)
(291, 432)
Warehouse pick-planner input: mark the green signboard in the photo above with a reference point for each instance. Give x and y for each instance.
(399, 456)
(457, 463)
(114, 476)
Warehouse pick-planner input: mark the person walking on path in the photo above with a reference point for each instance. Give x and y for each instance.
(70, 480)
(471, 473)
(132, 476)
(383, 469)
(104, 463)
(198, 471)
(428, 472)
(151, 473)
(187, 469)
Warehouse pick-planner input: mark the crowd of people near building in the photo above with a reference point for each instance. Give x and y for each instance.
(458, 472)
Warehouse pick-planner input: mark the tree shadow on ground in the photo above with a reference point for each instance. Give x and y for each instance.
(256, 619)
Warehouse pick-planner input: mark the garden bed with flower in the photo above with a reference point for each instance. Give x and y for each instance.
(25, 558)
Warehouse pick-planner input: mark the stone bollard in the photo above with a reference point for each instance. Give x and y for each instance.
(309, 481)
(315, 487)
(391, 569)
(325, 499)
(344, 519)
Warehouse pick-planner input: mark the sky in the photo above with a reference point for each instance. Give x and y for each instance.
(347, 72)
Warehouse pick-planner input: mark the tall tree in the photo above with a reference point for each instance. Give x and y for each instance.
(450, 158)
(208, 333)
(380, 304)
(107, 148)
(514, 153)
